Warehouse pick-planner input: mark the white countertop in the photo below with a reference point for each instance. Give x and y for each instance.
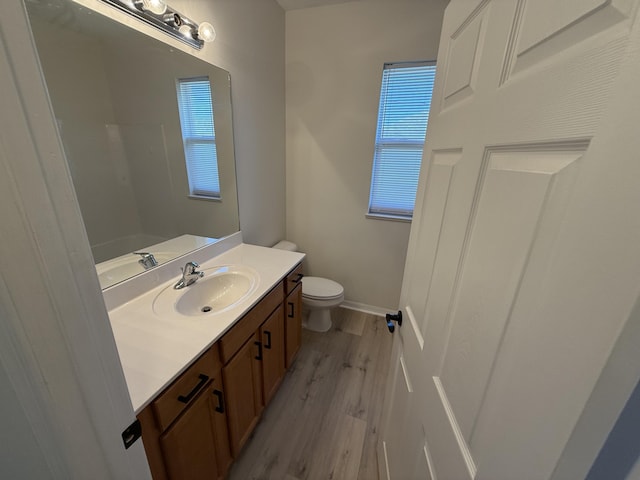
(155, 349)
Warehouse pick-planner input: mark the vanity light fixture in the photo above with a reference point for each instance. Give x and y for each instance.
(154, 6)
(160, 15)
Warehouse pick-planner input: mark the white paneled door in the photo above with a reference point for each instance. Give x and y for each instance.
(524, 256)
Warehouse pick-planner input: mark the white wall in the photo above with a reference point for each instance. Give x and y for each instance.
(250, 45)
(334, 59)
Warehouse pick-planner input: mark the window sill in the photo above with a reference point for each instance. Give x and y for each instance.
(393, 218)
(206, 199)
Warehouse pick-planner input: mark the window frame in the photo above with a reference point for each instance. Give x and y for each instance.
(381, 142)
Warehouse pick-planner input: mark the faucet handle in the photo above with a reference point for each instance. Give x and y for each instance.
(190, 268)
(147, 260)
(189, 275)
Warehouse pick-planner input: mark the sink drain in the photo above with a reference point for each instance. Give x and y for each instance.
(206, 309)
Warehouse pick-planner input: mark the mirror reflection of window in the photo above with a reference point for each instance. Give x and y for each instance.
(198, 136)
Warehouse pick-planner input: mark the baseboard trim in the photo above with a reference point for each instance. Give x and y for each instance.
(363, 307)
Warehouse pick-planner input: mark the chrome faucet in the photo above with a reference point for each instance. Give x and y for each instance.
(190, 274)
(147, 261)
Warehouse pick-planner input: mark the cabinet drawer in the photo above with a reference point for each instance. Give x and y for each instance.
(293, 279)
(183, 391)
(247, 325)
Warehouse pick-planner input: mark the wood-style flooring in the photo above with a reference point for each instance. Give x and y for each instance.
(323, 423)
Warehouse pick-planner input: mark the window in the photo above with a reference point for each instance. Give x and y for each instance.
(198, 136)
(405, 97)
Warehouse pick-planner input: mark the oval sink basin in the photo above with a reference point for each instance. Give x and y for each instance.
(220, 289)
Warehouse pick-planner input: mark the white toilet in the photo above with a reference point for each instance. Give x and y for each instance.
(319, 296)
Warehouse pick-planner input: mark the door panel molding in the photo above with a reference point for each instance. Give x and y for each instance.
(429, 460)
(463, 59)
(441, 176)
(415, 327)
(399, 400)
(530, 43)
(514, 199)
(510, 51)
(447, 446)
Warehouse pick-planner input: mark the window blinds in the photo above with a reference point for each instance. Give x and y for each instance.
(405, 98)
(198, 136)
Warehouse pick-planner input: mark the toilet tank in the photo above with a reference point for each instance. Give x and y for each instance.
(286, 245)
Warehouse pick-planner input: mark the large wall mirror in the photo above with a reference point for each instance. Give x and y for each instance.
(113, 92)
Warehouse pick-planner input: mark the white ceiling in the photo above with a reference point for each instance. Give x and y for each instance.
(295, 4)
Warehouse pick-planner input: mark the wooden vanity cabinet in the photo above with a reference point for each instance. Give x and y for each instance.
(293, 315)
(195, 446)
(184, 430)
(203, 419)
(243, 353)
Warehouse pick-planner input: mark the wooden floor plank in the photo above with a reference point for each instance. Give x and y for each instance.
(352, 321)
(348, 449)
(324, 420)
(369, 463)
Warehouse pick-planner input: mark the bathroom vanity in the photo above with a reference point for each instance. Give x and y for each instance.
(200, 380)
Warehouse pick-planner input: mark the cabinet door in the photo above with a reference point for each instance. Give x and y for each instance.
(220, 427)
(188, 445)
(242, 385)
(293, 325)
(272, 337)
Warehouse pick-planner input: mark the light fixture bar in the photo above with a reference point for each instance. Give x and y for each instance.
(169, 22)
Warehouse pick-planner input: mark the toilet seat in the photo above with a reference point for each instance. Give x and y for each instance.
(317, 288)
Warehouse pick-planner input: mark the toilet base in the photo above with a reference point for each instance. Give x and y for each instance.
(319, 320)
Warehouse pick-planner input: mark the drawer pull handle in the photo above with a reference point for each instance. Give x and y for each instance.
(259, 344)
(268, 344)
(298, 278)
(220, 407)
(203, 379)
(291, 313)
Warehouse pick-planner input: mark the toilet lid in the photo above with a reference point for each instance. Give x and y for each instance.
(317, 287)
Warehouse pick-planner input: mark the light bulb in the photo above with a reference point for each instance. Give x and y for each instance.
(206, 32)
(186, 30)
(155, 6)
